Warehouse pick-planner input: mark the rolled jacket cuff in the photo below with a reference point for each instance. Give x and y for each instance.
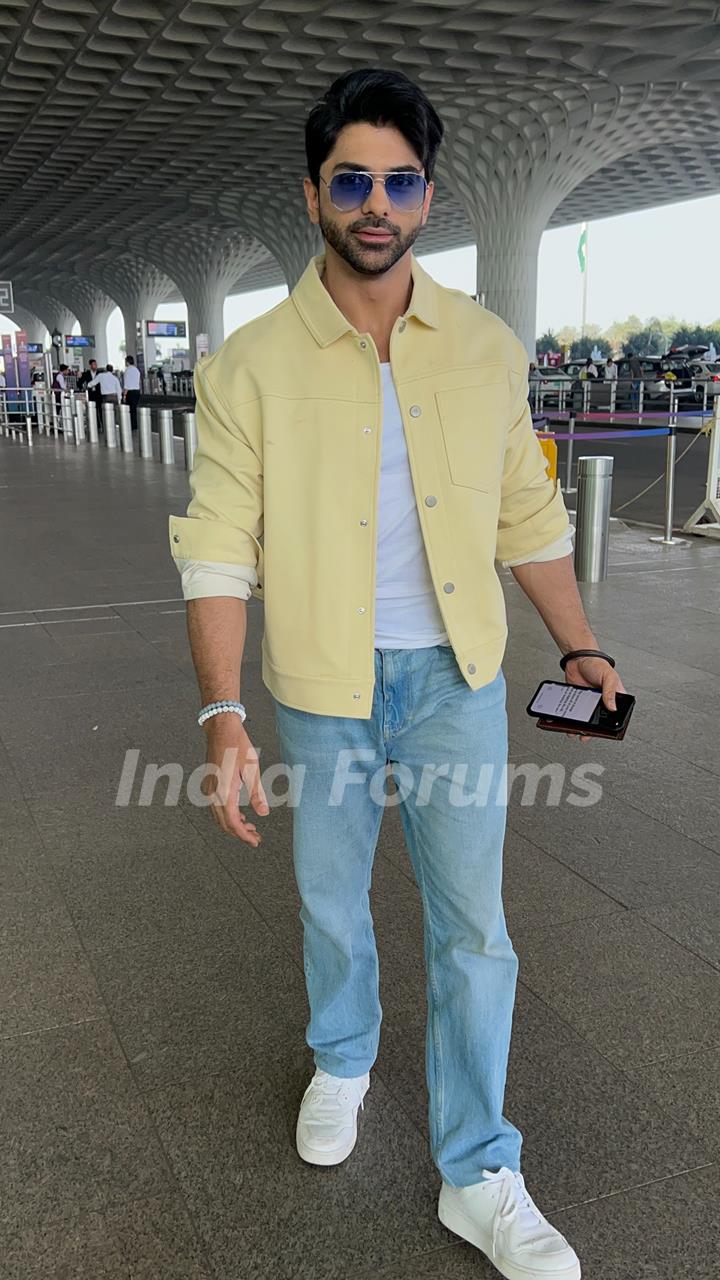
(203, 578)
(562, 546)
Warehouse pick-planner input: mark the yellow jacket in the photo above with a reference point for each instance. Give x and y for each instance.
(287, 468)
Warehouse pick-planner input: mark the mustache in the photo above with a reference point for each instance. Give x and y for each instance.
(378, 224)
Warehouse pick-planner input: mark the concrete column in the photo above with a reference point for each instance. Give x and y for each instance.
(94, 319)
(281, 224)
(510, 164)
(133, 284)
(32, 324)
(54, 314)
(205, 262)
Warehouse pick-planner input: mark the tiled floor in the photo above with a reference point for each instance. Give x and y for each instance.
(151, 992)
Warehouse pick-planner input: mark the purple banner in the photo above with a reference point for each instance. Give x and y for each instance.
(9, 358)
(23, 358)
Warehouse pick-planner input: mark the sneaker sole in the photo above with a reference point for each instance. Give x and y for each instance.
(311, 1156)
(468, 1230)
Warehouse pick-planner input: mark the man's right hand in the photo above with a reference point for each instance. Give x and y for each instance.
(235, 759)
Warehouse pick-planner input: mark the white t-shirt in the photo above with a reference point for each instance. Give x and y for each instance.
(131, 378)
(407, 615)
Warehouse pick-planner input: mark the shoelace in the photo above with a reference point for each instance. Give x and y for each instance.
(507, 1208)
(331, 1092)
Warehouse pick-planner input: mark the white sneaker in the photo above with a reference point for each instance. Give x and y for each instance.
(499, 1218)
(327, 1123)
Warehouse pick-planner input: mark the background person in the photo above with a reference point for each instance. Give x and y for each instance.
(131, 388)
(107, 382)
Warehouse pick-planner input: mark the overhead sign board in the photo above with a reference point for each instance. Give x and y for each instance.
(79, 339)
(7, 303)
(166, 328)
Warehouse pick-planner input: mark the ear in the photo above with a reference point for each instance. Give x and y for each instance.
(312, 200)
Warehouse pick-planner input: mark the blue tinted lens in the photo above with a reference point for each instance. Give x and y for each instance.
(350, 190)
(406, 190)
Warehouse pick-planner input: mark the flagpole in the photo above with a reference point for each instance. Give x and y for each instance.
(583, 325)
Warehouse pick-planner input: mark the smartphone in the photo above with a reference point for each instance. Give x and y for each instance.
(573, 708)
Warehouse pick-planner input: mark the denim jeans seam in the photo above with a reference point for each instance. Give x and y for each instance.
(437, 1036)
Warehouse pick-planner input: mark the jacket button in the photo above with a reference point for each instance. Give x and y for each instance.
(363, 524)
(471, 668)
(175, 538)
(361, 609)
(415, 410)
(431, 500)
(356, 695)
(448, 588)
(363, 344)
(367, 430)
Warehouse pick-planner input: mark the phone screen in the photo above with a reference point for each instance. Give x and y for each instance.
(566, 701)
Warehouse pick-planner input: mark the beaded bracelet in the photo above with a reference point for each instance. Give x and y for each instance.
(217, 708)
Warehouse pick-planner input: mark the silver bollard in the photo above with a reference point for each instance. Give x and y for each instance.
(68, 426)
(80, 421)
(190, 439)
(108, 413)
(28, 428)
(92, 422)
(167, 448)
(592, 535)
(145, 431)
(666, 538)
(569, 455)
(126, 436)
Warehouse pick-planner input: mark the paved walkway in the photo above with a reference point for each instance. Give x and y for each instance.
(151, 992)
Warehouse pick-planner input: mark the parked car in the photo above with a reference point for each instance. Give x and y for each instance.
(657, 385)
(554, 379)
(705, 379)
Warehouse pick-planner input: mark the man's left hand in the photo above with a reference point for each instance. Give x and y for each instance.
(595, 673)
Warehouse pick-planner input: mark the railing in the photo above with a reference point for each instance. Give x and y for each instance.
(27, 414)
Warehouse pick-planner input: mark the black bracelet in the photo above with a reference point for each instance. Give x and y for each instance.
(585, 653)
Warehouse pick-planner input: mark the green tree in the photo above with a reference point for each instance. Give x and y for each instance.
(583, 347)
(646, 342)
(567, 335)
(548, 342)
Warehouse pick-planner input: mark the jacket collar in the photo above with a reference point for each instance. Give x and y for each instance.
(327, 323)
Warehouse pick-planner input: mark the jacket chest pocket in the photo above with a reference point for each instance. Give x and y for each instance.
(474, 421)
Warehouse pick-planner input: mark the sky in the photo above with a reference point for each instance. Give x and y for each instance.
(662, 262)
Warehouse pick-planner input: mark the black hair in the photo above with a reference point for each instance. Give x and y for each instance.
(109, 368)
(373, 97)
(129, 359)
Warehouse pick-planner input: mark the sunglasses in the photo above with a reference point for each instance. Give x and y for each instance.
(406, 191)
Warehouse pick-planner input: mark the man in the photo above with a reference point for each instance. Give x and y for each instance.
(635, 370)
(109, 386)
(87, 383)
(131, 389)
(610, 370)
(386, 461)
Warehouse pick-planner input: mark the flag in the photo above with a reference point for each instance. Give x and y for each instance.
(582, 247)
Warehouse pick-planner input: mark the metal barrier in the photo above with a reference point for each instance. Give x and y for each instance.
(190, 439)
(145, 431)
(594, 492)
(108, 413)
(93, 436)
(165, 429)
(126, 435)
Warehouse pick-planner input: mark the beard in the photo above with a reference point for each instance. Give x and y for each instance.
(367, 259)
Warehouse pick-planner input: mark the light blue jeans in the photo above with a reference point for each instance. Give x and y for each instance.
(424, 714)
